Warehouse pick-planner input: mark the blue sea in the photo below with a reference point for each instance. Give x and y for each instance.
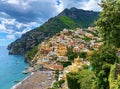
(11, 67)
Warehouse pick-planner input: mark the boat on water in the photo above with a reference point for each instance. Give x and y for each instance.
(25, 72)
(16, 81)
(26, 67)
(28, 70)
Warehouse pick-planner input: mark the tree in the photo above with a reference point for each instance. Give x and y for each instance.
(71, 55)
(56, 74)
(80, 80)
(109, 22)
(118, 83)
(109, 28)
(101, 61)
(60, 82)
(86, 79)
(72, 80)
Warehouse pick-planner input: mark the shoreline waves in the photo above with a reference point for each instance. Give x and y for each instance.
(36, 80)
(14, 87)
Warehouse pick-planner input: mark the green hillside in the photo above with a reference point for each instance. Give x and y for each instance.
(69, 18)
(69, 22)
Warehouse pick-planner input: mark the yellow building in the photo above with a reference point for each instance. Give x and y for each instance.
(76, 65)
(47, 46)
(62, 49)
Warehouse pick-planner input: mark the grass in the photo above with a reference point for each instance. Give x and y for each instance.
(68, 21)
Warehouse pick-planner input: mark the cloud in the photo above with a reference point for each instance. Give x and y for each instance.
(91, 5)
(2, 27)
(82, 4)
(10, 36)
(4, 15)
(39, 11)
(11, 26)
(29, 10)
(20, 16)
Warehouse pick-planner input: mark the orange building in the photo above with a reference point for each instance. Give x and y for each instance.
(45, 48)
(56, 67)
(82, 45)
(62, 49)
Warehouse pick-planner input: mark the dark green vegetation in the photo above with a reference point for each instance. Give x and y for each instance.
(57, 84)
(30, 54)
(105, 62)
(68, 21)
(114, 84)
(65, 64)
(109, 28)
(78, 17)
(87, 39)
(72, 80)
(71, 55)
(109, 22)
(69, 18)
(101, 61)
(80, 80)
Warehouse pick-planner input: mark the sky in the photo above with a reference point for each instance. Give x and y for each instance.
(19, 16)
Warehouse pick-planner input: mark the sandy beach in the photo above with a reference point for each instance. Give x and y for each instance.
(38, 80)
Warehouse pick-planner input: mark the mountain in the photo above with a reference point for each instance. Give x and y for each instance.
(78, 17)
(68, 18)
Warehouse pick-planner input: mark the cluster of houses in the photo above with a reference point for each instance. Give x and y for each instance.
(55, 49)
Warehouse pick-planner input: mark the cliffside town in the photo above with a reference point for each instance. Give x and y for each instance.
(68, 18)
(56, 52)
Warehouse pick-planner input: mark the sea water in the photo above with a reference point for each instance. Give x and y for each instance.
(11, 67)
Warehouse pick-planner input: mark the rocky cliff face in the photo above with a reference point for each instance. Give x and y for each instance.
(26, 42)
(32, 38)
(69, 18)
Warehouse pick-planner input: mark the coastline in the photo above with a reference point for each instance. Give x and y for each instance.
(14, 87)
(36, 80)
(11, 67)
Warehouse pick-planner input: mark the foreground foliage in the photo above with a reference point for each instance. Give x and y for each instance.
(80, 80)
(101, 60)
